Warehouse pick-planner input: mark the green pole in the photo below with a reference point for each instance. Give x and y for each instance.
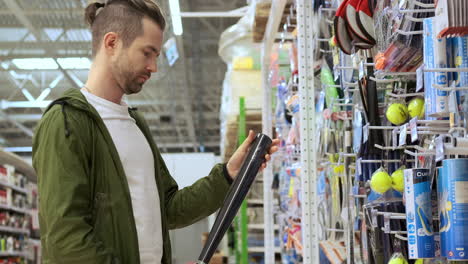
(243, 211)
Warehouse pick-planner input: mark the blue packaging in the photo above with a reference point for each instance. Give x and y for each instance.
(419, 213)
(460, 51)
(429, 91)
(441, 187)
(441, 47)
(455, 198)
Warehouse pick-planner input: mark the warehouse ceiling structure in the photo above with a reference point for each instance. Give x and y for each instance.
(45, 49)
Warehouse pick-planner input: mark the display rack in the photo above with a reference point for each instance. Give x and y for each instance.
(301, 13)
(364, 138)
(18, 210)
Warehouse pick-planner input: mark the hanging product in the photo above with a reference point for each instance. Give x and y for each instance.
(419, 213)
(451, 19)
(453, 208)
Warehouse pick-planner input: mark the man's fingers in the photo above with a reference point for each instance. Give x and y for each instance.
(273, 150)
(248, 141)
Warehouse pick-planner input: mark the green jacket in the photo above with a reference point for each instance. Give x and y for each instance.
(85, 210)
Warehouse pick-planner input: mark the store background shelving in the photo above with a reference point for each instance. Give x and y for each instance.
(18, 179)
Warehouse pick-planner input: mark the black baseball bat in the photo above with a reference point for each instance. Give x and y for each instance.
(236, 194)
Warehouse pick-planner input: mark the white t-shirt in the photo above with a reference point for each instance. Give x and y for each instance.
(138, 163)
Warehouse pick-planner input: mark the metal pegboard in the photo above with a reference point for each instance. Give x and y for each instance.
(307, 131)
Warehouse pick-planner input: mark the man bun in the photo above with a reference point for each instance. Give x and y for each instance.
(91, 12)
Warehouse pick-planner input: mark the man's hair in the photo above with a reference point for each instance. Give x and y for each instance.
(124, 17)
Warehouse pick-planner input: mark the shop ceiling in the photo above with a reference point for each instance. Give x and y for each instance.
(181, 102)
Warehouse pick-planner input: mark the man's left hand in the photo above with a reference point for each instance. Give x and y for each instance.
(234, 164)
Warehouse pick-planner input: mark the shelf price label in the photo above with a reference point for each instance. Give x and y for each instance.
(439, 148)
(420, 78)
(403, 133)
(365, 131)
(414, 129)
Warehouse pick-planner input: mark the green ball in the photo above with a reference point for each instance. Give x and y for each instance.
(398, 180)
(416, 107)
(397, 113)
(419, 261)
(381, 182)
(398, 261)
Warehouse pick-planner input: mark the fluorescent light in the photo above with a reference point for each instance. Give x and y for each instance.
(175, 15)
(36, 64)
(74, 63)
(50, 64)
(18, 149)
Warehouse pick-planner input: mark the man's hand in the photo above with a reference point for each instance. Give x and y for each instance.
(235, 163)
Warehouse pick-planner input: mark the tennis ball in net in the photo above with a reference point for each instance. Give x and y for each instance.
(397, 113)
(381, 182)
(398, 180)
(416, 107)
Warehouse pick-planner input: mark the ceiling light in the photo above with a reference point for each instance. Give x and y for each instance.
(175, 16)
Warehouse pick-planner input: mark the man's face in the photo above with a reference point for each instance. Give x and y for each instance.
(132, 66)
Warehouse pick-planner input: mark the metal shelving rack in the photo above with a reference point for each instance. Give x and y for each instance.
(308, 155)
(306, 40)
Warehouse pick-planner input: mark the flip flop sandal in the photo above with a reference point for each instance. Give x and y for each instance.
(353, 23)
(365, 20)
(342, 36)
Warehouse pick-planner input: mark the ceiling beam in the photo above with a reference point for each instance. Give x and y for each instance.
(79, 46)
(22, 127)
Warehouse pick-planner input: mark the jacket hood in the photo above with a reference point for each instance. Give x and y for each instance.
(74, 98)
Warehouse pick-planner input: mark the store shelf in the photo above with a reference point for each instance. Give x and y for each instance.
(255, 201)
(262, 249)
(260, 226)
(20, 165)
(14, 230)
(14, 187)
(14, 209)
(13, 254)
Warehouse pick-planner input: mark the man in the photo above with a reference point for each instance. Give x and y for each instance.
(106, 195)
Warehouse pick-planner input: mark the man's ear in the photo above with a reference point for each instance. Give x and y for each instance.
(111, 43)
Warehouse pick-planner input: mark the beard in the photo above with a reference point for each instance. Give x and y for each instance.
(126, 78)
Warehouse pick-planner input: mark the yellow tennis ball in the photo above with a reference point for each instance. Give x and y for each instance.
(381, 182)
(416, 107)
(419, 261)
(397, 113)
(398, 261)
(398, 180)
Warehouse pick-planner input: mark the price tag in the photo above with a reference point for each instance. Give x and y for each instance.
(365, 131)
(414, 129)
(347, 138)
(361, 70)
(403, 133)
(359, 166)
(374, 218)
(439, 148)
(394, 137)
(387, 223)
(420, 78)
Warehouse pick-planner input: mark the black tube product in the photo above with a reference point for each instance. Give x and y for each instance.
(237, 193)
